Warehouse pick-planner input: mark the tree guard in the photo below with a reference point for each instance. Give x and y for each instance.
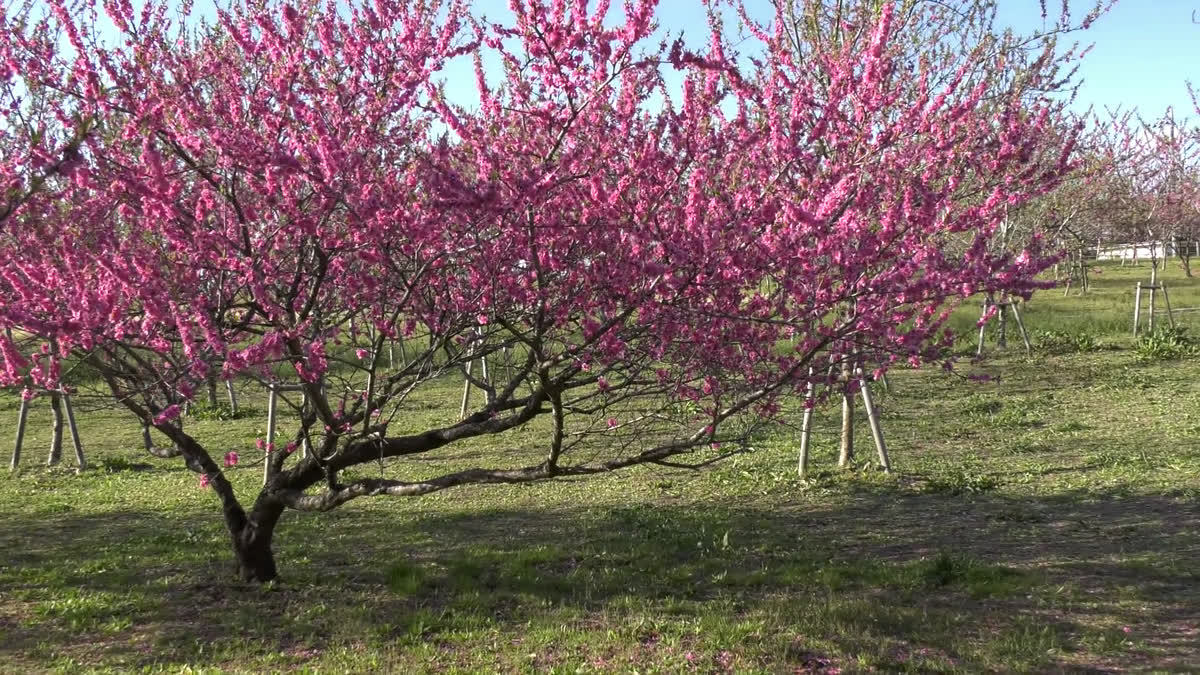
(60, 403)
(846, 449)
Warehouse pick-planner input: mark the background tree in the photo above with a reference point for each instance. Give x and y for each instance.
(1146, 195)
(280, 194)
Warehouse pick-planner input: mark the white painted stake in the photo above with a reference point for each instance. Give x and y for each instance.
(22, 416)
(1137, 308)
(873, 420)
(806, 426)
(75, 441)
(233, 404)
(271, 399)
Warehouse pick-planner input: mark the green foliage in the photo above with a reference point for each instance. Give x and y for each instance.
(120, 463)
(405, 578)
(1001, 412)
(1166, 344)
(224, 412)
(1064, 342)
(961, 481)
(979, 578)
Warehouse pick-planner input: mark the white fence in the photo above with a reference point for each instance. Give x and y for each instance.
(1146, 250)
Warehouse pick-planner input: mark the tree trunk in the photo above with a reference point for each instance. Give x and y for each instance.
(1186, 261)
(252, 544)
(846, 451)
(56, 434)
(212, 391)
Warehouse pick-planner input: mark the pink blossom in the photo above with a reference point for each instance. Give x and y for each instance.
(204, 480)
(169, 413)
(231, 458)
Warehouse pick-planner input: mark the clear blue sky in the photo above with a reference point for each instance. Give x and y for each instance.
(1145, 53)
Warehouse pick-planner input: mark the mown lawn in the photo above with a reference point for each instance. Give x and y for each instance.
(1047, 520)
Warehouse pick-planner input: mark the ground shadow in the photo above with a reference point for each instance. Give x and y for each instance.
(149, 589)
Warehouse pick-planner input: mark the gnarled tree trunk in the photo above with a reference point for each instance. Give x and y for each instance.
(252, 542)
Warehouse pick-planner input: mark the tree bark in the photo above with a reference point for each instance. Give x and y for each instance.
(252, 543)
(56, 435)
(846, 451)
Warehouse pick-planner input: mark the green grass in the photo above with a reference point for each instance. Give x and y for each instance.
(1047, 520)
(1104, 312)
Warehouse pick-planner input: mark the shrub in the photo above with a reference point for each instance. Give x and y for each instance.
(1165, 344)
(1064, 342)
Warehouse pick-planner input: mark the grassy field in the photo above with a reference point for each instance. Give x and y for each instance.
(1045, 521)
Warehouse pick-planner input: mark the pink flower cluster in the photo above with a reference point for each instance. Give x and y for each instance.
(250, 191)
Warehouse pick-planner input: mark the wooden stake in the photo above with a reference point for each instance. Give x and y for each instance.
(1002, 341)
(982, 329)
(462, 414)
(846, 452)
(1153, 288)
(233, 406)
(806, 426)
(873, 420)
(304, 442)
(272, 397)
(1137, 308)
(1021, 327)
(22, 416)
(75, 440)
(1167, 300)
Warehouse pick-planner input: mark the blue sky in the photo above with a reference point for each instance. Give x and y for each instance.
(1145, 53)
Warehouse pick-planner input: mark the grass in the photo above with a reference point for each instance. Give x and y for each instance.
(1046, 520)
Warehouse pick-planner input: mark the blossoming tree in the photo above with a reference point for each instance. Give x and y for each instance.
(1148, 193)
(650, 268)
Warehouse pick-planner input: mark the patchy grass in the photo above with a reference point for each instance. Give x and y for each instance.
(1101, 318)
(1046, 520)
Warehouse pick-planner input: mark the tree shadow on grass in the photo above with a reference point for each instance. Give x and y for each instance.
(894, 579)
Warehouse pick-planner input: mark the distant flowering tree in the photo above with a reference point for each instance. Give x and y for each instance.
(285, 192)
(1149, 190)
